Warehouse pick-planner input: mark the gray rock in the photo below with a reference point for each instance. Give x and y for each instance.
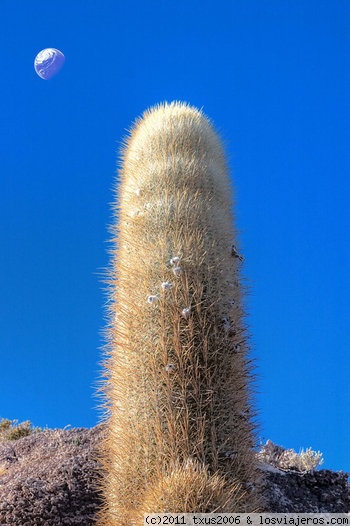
(51, 478)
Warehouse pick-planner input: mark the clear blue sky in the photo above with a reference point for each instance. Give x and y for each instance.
(275, 78)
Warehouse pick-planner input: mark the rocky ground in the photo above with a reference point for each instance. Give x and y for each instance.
(50, 478)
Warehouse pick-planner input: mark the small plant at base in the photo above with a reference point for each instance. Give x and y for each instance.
(190, 489)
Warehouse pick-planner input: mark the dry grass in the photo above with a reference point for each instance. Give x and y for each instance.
(288, 459)
(12, 430)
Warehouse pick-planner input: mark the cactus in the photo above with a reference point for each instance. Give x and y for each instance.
(180, 433)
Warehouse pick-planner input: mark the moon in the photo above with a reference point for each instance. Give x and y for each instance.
(48, 62)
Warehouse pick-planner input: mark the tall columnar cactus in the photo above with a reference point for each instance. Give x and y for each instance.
(180, 432)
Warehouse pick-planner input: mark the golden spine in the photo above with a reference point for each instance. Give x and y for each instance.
(180, 432)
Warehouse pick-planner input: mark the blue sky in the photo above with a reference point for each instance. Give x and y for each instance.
(274, 76)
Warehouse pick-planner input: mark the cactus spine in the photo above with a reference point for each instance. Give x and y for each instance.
(180, 432)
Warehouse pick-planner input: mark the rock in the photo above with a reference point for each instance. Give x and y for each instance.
(320, 491)
(51, 477)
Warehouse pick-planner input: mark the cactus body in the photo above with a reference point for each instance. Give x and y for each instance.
(180, 433)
